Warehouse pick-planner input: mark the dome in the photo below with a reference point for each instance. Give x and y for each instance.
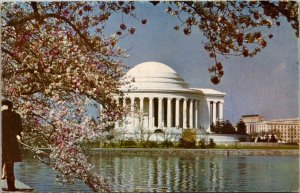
(155, 76)
(149, 68)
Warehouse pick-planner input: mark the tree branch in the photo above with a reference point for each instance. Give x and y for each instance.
(51, 15)
(35, 8)
(11, 55)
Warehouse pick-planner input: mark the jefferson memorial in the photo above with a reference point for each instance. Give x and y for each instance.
(165, 101)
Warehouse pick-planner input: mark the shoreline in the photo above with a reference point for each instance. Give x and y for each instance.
(192, 152)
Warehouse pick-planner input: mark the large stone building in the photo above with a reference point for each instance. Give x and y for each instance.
(251, 121)
(286, 130)
(167, 101)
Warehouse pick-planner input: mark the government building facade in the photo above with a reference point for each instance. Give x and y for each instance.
(286, 130)
(158, 98)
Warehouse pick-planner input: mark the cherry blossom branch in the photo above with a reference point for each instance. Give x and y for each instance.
(51, 15)
(11, 55)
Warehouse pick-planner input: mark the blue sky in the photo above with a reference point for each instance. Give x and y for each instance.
(266, 84)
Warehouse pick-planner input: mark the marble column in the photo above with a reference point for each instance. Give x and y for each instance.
(169, 113)
(214, 112)
(132, 104)
(184, 110)
(200, 110)
(132, 111)
(142, 104)
(159, 112)
(191, 113)
(151, 119)
(221, 111)
(177, 115)
(141, 119)
(209, 115)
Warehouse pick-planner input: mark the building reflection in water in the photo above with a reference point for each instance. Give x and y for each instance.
(195, 174)
(164, 173)
(177, 174)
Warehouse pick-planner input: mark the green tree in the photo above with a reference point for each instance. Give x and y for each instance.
(277, 133)
(273, 139)
(228, 128)
(217, 128)
(241, 127)
(188, 139)
(224, 127)
(202, 143)
(259, 139)
(211, 144)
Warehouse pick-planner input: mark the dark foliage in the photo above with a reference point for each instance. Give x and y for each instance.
(241, 127)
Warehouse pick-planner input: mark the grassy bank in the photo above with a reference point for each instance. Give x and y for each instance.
(171, 145)
(191, 152)
(256, 147)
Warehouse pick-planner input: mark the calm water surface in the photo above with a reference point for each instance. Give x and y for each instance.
(177, 174)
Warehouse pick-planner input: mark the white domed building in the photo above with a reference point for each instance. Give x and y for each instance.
(167, 101)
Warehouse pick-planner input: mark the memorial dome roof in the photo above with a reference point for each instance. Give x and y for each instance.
(155, 76)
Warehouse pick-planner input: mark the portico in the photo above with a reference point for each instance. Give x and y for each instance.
(166, 101)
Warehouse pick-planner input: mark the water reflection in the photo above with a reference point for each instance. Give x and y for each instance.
(178, 174)
(211, 173)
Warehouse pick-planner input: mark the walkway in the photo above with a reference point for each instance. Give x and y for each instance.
(21, 187)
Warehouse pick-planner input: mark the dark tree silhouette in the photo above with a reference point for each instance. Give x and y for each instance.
(241, 127)
(217, 128)
(228, 128)
(273, 139)
(224, 127)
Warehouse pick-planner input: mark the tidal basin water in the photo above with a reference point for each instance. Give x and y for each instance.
(177, 174)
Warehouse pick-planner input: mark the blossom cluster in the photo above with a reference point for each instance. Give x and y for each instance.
(57, 63)
(232, 28)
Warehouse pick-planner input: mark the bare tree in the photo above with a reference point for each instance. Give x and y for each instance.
(142, 133)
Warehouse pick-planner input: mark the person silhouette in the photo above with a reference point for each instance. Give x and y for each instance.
(11, 132)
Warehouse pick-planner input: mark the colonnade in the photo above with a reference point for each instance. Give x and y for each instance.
(179, 112)
(215, 111)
